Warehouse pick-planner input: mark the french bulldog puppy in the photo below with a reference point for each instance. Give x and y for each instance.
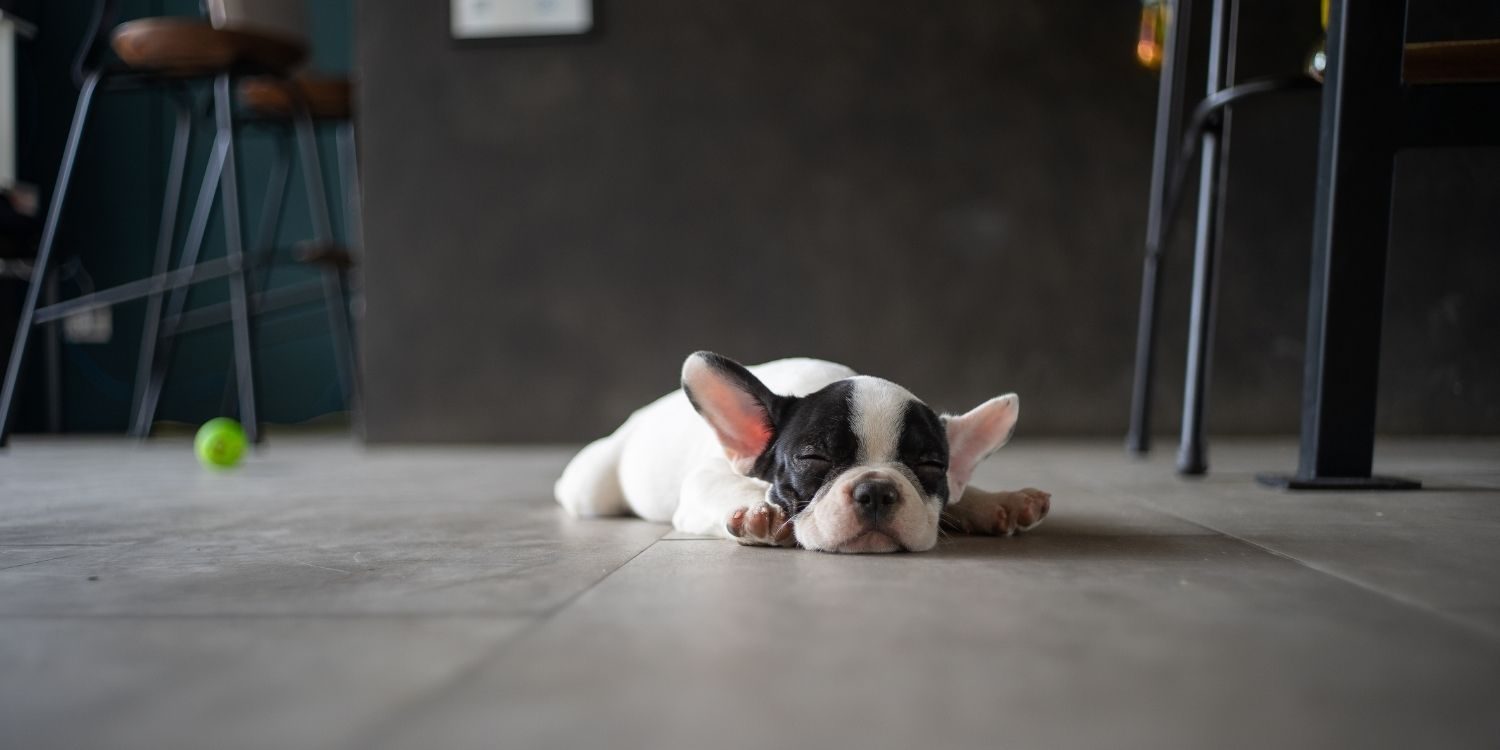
(801, 452)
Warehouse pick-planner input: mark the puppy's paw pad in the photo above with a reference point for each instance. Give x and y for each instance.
(762, 525)
(1005, 521)
(1031, 505)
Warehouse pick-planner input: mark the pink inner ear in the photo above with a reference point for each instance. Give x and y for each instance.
(962, 459)
(975, 435)
(742, 437)
(737, 418)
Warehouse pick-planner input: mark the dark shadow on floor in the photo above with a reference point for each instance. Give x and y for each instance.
(1088, 540)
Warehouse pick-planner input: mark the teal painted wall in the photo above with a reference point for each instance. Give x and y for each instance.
(111, 221)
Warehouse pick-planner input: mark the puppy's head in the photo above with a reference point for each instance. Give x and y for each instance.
(861, 465)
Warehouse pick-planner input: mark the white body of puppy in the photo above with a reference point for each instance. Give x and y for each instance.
(800, 452)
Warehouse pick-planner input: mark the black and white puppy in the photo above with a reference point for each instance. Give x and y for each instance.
(801, 452)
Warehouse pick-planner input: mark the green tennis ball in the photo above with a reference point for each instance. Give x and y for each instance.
(220, 443)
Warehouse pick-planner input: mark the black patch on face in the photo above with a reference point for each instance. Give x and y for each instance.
(813, 443)
(923, 448)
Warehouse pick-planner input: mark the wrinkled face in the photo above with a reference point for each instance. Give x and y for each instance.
(860, 466)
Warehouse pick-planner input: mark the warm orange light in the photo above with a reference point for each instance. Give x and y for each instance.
(1148, 45)
(1149, 54)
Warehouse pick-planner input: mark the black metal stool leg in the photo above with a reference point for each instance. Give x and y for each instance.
(354, 235)
(44, 254)
(192, 246)
(1192, 455)
(53, 358)
(335, 298)
(166, 234)
(349, 176)
(265, 244)
(229, 195)
(333, 288)
(271, 214)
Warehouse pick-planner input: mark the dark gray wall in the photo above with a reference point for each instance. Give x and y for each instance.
(947, 194)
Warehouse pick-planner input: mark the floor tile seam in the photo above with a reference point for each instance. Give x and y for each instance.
(396, 715)
(1489, 632)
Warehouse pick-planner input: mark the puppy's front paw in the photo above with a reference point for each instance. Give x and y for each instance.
(763, 524)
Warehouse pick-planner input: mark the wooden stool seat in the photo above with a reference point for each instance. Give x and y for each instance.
(1470, 61)
(190, 47)
(327, 98)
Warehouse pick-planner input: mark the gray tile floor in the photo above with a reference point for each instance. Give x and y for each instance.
(327, 596)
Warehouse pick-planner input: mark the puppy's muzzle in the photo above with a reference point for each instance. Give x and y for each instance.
(875, 500)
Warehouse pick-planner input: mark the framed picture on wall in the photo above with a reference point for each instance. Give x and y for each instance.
(482, 19)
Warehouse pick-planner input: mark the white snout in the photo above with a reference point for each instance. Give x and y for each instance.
(833, 521)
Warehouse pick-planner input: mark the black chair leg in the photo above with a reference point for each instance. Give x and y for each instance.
(164, 341)
(1192, 455)
(44, 255)
(166, 234)
(1169, 111)
(239, 310)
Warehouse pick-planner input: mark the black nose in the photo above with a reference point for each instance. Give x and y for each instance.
(874, 499)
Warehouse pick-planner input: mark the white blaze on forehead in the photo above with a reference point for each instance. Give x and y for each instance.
(877, 414)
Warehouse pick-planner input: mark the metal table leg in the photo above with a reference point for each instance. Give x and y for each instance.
(1351, 229)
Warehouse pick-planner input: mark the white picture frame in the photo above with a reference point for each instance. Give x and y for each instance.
(482, 19)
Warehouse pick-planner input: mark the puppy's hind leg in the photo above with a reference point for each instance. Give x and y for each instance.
(997, 513)
(590, 485)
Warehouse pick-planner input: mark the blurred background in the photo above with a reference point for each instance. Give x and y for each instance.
(951, 195)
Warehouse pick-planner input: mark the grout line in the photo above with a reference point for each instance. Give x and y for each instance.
(269, 616)
(35, 562)
(1478, 627)
(18, 545)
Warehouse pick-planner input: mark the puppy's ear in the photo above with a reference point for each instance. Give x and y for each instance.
(975, 435)
(739, 408)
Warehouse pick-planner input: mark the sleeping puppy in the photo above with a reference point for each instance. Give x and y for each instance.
(801, 452)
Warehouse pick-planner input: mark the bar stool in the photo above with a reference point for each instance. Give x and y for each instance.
(242, 38)
(292, 108)
(298, 105)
